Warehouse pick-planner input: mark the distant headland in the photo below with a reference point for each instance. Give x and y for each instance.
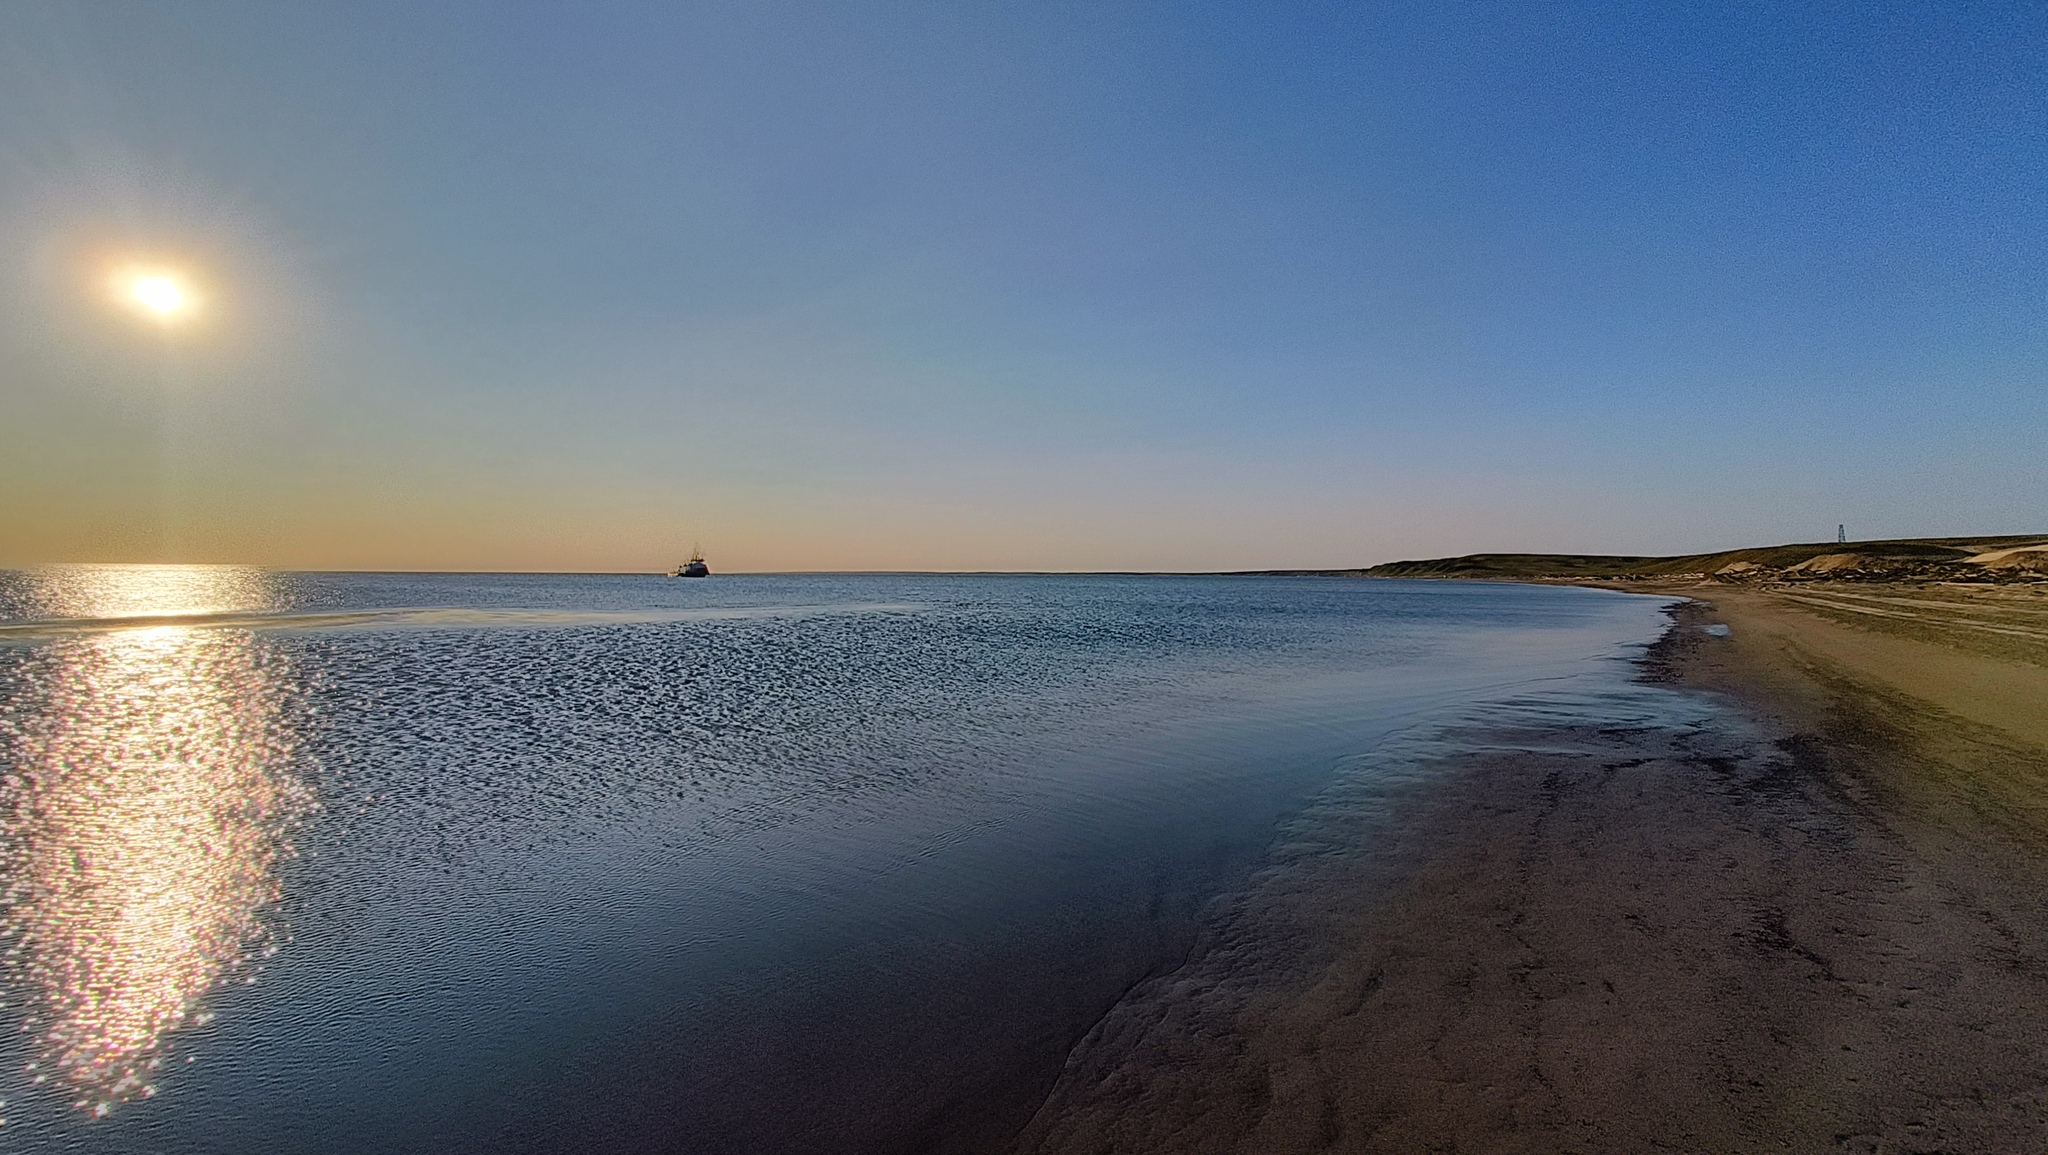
(1965, 559)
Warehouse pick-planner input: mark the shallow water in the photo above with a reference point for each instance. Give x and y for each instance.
(465, 863)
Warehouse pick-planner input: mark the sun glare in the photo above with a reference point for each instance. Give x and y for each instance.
(162, 296)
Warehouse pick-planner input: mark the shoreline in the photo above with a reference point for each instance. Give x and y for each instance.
(1814, 924)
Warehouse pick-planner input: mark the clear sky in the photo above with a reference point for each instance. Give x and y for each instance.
(1040, 285)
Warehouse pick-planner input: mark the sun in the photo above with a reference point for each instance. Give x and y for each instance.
(161, 295)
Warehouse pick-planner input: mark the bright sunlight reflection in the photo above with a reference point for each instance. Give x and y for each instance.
(149, 795)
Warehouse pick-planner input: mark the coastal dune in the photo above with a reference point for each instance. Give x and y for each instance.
(1814, 924)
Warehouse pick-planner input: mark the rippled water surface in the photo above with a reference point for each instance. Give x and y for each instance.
(319, 862)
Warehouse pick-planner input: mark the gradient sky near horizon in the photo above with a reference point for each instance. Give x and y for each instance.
(909, 285)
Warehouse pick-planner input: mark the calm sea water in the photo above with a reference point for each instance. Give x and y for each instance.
(321, 862)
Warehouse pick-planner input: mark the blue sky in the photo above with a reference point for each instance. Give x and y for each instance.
(947, 285)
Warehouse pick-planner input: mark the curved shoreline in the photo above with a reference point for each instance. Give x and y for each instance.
(1815, 926)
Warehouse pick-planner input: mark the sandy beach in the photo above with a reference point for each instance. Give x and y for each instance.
(1816, 925)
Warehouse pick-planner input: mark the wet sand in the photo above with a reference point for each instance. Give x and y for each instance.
(1817, 924)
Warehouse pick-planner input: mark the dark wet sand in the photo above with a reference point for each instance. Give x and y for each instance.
(1829, 934)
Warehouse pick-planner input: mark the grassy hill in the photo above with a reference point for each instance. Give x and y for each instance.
(1924, 558)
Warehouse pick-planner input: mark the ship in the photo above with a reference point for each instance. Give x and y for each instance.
(695, 567)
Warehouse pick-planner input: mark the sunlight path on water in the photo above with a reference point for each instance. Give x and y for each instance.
(148, 800)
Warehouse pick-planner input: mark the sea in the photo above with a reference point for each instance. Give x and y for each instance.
(320, 862)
